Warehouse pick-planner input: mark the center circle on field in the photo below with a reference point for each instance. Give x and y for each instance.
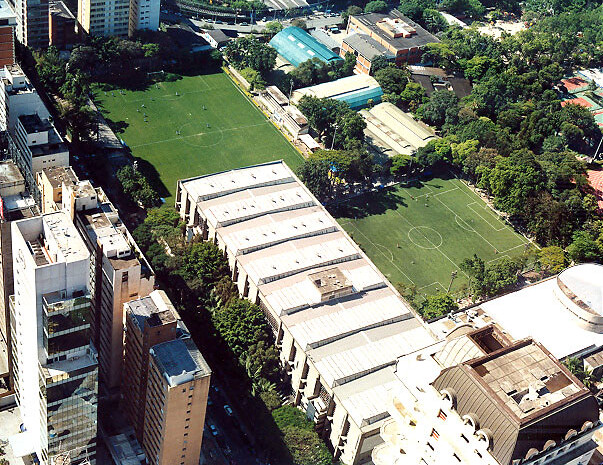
(425, 237)
(197, 134)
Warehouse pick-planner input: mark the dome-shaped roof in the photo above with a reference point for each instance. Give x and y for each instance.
(583, 284)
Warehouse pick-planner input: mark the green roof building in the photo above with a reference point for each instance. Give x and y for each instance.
(296, 46)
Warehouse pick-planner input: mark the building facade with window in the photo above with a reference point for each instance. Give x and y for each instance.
(165, 382)
(481, 399)
(391, 35)
(15, 204)
(55, 364)
(118, 273)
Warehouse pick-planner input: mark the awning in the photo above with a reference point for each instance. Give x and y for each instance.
(309, 141)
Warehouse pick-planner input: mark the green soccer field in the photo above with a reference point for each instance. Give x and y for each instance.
(194, 126)
(419, 235)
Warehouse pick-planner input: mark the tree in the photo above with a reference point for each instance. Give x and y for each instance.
(249, 52)
(552, 259)
(514, 179)
(351, 11)
(438, 305)
(583, 248)
(273, 27)
(375, 6)
(485, 281)
(349, 63)
(310, 72)
(412, 96)
(441, 109)
(200, 264)
(315, 174)
(254, 78)
(137, 187)
(241, 325)
(304, 445)
(414, 8)
(392, 80)
(577, 368)
(263, 356)
(51, 69)
(379, 62)
(471, 8)
(434, 21)
(400, 165)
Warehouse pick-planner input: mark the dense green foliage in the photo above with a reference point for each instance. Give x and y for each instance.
(438, 305)
(486, 281)
(250, 52)
(136, 186)
(336, 124)
(316, 71)
(523, 141)
(305, 446)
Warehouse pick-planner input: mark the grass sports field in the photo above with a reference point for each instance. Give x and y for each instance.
(196, 125)
(420, 234)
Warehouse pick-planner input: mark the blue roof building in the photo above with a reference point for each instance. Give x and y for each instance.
(296, 46)
(356, 90)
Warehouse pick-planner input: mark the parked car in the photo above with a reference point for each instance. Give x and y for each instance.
(228, 410)
(213, 429)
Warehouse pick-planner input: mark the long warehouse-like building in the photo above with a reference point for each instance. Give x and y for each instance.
(338, 323)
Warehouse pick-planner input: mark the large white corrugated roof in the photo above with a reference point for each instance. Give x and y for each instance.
(343, 366)
(228, 213)
(303, 293)
(325, 328)
(368, 399)
(284, 264)
(304, 225)
(216, 185)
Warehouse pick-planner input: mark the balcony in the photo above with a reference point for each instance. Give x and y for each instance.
(62, 302)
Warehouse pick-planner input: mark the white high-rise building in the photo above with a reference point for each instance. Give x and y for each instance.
(55, 364)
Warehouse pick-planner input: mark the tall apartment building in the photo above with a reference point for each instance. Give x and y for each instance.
(480, 399)
(177, 390)
(144, 14)
(62, 28)
(39, 144)
(50, 182)
(15, 204)
(118, 272)
(55, 364)
(165, 382)
(32, 22)
(18, 97)
(8, 24)
(119, 17)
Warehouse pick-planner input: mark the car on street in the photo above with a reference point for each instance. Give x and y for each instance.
(213, 429)
(228, 410)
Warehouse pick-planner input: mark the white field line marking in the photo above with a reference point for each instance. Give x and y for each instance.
(378, 250)
(437, 248)
(476, 211)
(173, 139)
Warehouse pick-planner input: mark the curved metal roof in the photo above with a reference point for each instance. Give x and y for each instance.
(296, 46)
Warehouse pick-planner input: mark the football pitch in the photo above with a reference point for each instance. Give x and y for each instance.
(194, 126)
(420, 234)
